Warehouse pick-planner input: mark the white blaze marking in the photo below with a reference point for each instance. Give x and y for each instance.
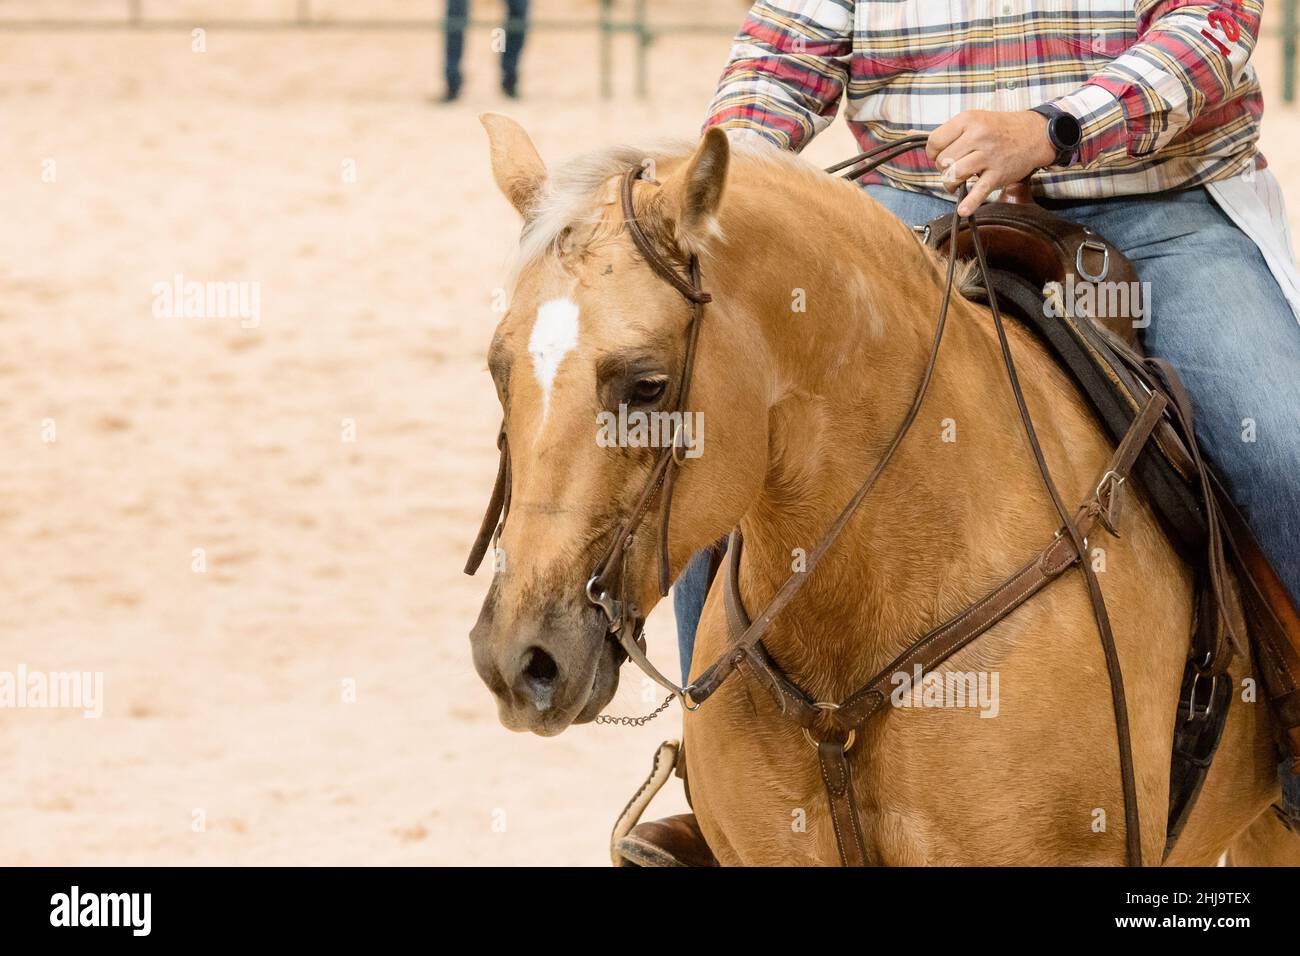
(555, 333)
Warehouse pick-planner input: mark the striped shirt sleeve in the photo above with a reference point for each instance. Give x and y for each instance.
(788, 68)
(1188, 60)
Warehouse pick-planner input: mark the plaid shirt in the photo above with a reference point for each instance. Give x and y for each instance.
(1162, 88)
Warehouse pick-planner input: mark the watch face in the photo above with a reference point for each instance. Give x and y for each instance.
(1066, 131)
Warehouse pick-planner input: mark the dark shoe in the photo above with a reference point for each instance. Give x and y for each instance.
(672, 841)
(453, 91)
(510, 88)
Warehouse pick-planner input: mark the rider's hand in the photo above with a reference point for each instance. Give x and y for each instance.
(999, 148)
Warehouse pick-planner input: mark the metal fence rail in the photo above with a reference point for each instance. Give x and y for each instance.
(605, 22)
(644, 32)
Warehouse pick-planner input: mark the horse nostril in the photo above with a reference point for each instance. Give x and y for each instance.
(540, 672)
(539, 666)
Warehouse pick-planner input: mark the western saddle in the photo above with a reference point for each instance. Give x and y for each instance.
(1037, 262)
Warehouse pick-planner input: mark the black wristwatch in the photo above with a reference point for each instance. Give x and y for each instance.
(1064, 132)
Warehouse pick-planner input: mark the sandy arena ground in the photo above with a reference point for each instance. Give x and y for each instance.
(327, 561)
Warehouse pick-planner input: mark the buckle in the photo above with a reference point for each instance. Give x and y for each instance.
(1110, 500)
(1209, 700)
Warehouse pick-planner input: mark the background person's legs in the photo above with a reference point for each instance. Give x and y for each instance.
(516, 33)
(457, 12)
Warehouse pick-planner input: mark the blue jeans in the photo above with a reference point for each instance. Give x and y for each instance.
(1217, 314)
(457, 12)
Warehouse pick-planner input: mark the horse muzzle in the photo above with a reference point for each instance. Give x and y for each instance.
(547, 670)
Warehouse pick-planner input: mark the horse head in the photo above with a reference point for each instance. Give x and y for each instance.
(587, 361)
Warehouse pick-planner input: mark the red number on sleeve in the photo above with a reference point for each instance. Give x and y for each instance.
(1227, 23)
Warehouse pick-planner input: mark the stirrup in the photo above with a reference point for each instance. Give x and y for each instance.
(673, 841)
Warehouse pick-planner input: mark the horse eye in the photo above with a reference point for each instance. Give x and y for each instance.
(646, 390)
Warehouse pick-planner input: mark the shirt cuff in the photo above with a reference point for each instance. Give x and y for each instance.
(1101, 121)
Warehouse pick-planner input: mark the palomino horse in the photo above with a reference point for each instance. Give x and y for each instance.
(822, 310)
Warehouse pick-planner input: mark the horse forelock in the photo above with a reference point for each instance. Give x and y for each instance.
(569, 195)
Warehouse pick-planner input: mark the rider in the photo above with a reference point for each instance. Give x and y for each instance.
(1139, 119)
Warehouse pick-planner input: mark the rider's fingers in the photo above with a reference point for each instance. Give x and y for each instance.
(972, 164)
(945, 135)
(959, 148)
(978, 193)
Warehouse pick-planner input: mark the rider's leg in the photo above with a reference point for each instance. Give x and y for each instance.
(689, 592)
(913, 208)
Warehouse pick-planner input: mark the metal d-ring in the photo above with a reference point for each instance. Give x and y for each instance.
(1092, 245)
(827, 705)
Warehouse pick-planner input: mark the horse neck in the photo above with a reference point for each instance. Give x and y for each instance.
(847, 369)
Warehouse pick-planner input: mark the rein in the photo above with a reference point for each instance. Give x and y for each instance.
(1068, 547)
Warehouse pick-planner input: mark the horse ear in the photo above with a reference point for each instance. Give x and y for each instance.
(517, 168)
(695, 190)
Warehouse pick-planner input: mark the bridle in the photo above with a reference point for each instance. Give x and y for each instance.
(621, 616)
(662, 479)
(1068, 548)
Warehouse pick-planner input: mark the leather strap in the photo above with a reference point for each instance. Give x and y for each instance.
(838, 779)
(1128, 776)
(866, 161)
(1217, 629)
(498, 506)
